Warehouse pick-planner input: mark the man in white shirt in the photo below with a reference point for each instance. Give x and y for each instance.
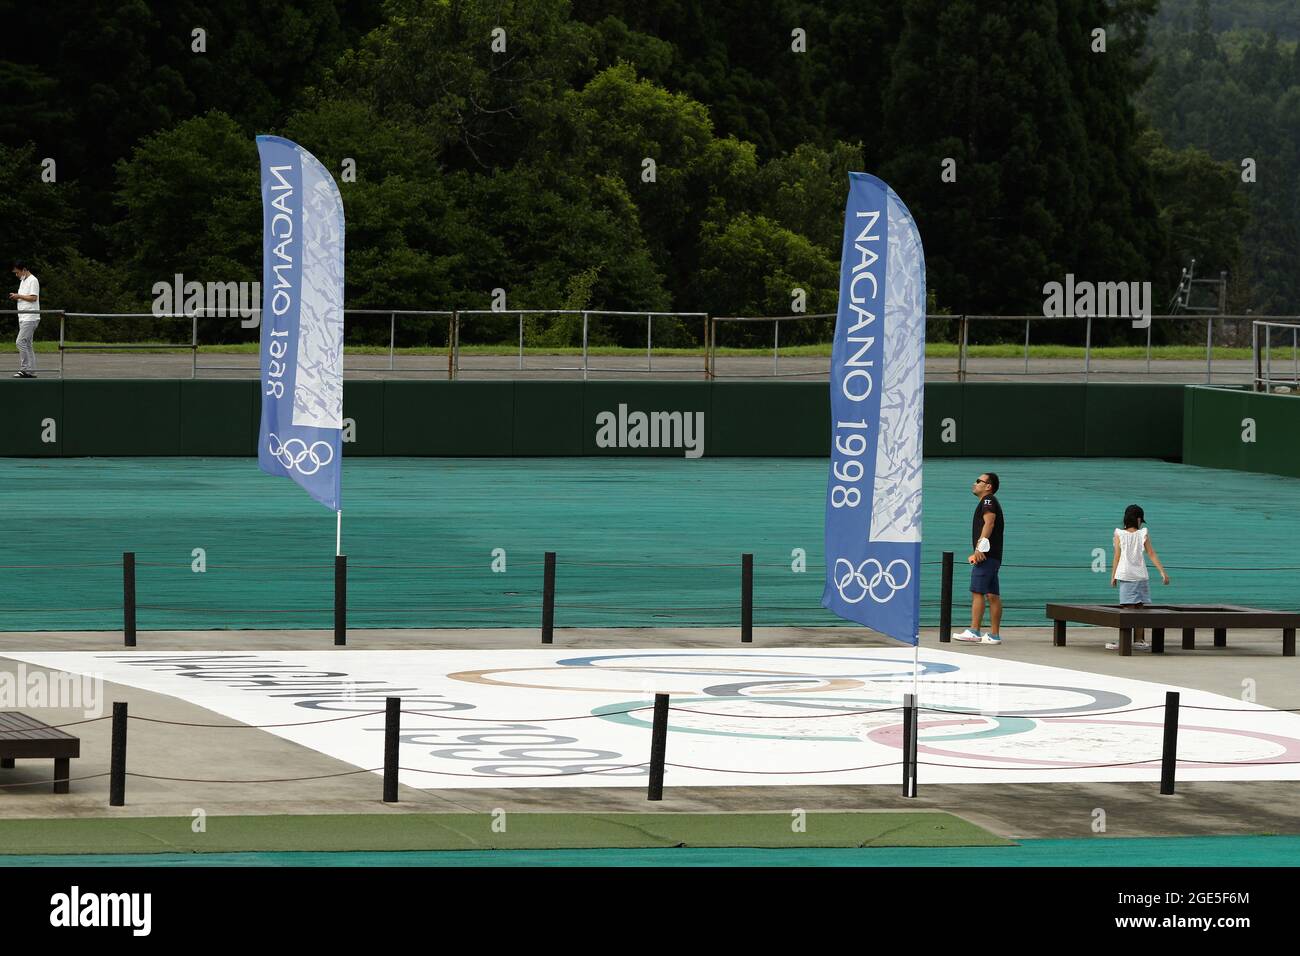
(28, 297)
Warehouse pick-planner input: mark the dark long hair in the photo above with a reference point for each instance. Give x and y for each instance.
(1133, 517)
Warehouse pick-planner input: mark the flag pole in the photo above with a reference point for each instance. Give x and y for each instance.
(338, 535)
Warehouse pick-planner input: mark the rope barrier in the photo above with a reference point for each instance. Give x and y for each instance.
(850, 713)
(1101, 713)
(322, 776)
(782, 773)
(1090, 766)
(88, 720)
(49, 780)
(527, 720)
(524, 776)
(301, 723)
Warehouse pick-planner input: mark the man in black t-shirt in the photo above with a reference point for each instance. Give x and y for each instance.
(985, 559)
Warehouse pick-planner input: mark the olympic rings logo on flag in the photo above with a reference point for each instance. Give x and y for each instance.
(857, 578)
(292, 458)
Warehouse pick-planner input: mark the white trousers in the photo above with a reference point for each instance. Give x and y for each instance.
(26, 354)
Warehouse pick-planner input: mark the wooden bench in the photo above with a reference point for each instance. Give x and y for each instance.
(27, 738)
(1157, 617)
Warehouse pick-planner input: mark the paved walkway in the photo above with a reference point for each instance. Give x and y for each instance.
(660, 367)
(1013, 810)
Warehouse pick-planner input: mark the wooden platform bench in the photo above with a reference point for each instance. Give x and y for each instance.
(1158, 617)
(26, 738)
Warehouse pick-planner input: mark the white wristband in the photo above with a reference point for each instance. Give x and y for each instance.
(983, 545)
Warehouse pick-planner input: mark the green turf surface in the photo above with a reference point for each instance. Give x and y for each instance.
(641, 542)
(1220, 851)
(479, 831)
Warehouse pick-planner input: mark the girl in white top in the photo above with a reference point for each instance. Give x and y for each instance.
(1129, 569)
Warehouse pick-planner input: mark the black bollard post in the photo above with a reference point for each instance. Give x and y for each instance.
(658, 748)
(128, 598)
(340, 600)
(1169, 755)
(747, 599)
(392, 728)
(117, 757)
(548, 598)
(945, 600)
(909, 745)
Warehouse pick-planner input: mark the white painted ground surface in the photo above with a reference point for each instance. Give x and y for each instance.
(769, 716)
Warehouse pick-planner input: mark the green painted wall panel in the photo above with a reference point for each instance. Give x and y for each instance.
(24, 405)
(213, 417)
(218, 417)
(605, 399)
(471, 419)
(363, 403)
(943, 419)
(548, 418)
(1133, 421)
(1013, 420)
(1219, 422)
(770, 418)
(121, 417)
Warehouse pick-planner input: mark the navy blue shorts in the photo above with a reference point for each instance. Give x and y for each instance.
(984, 577)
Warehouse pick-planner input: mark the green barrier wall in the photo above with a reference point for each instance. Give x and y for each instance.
(1248, 431)
(484, 419)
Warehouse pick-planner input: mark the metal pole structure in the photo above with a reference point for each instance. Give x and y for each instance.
(1150, 323)
(1268, 359)
(392, 733)
(962, 334)
(62, 319)
(1087, 350)
(451, 364)
(648, 340)
(194, 346)
(708, 368)
(776, 346)
(1254, 355)
(1169, 755)
(548, 598)
(909, 745)
(1295, 359)
(521, 341)
(128, 598)
(584, 346)
(392, 337)
(658, 748)
(340, 600)
(117, 757)
(945, 600)
(747, 599)
(455, 347)
(1209, 349)
(1026, 346)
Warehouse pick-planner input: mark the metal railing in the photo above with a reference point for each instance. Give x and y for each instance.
(587, 316)
(958, 329)
(712, 364)
(1261, 344)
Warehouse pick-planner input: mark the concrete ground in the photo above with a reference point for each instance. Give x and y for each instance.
(1065, 810)
(660, 367)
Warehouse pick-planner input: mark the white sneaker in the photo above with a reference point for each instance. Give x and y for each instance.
(969, 636)
(990, 639)
(1137, 646)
